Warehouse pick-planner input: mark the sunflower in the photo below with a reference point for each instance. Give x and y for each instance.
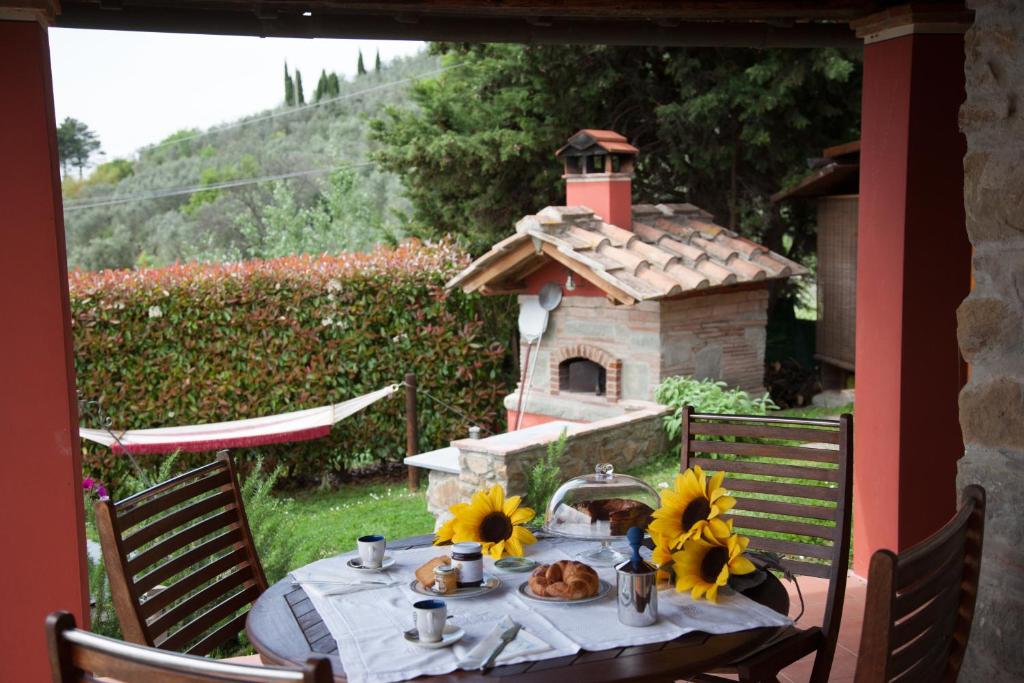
(661, 556)
(691, 509)
(492, 520)
(447, 530)
(703, 567)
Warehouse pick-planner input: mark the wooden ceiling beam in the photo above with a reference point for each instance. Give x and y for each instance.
(686, 10)
(224, 19)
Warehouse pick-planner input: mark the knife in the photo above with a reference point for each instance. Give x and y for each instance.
(507, 636)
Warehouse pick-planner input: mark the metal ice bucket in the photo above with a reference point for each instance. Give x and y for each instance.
(637, 593)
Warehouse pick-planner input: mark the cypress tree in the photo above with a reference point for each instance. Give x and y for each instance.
(321, 86)
(289, 87)
(333, 87)
(376, 63)
(300, 97)
(360, 68)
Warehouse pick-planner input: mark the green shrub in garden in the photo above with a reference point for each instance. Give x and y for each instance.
(706, 396)
(544, 478)
(199, 343)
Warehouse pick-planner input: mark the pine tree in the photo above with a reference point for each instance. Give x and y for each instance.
(289, 88)
(360, 68)
(333, 86)
(300, 97)
(376, 63)
(321, 86)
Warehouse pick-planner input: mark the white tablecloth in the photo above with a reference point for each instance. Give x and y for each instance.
(367, 622)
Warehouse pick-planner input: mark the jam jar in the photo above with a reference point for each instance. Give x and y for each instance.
(445, 579)
(468, 560)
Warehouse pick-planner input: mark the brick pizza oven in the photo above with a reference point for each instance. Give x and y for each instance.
(649, 292)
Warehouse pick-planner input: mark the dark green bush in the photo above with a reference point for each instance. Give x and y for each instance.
(199, 343)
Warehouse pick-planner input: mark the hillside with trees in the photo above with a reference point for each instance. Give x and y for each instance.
(190, 196)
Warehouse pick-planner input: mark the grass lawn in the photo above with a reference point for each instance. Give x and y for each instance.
(326, 523)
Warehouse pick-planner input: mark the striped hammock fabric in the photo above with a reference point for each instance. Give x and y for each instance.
(301, 425)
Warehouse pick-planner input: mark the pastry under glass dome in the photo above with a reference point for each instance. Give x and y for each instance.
(600, 507)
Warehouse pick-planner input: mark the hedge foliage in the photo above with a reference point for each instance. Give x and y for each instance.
(201, 343)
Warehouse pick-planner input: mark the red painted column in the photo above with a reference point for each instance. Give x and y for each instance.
(43, 565)
(913, 270)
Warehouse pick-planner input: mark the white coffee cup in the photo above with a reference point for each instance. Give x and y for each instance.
(371, 550)
(430, 616)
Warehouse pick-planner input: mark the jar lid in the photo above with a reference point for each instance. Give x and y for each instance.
(443, 569)
(467, 548)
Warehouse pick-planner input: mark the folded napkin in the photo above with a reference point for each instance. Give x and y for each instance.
(524, 645)
(331, 577)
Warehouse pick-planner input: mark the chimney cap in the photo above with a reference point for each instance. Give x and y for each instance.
(590, 140)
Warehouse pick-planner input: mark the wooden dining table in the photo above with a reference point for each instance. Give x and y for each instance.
(285, 629)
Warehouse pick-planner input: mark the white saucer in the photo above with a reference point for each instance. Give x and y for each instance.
(357, 563)
(452, 634)
(490, 583)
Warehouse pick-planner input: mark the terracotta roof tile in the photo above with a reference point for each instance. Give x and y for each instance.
(694, 254)
(617, 236)
(688, 277)
(716, 249)
(630, 260)
(672, 249)
(717, 273)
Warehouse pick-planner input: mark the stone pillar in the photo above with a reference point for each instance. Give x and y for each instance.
(43, 567)
(913, 270)
(991, 330)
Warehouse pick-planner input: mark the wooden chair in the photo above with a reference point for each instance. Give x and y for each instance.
(761, 460)
(181, 561)
(77, 655)
(920, 603)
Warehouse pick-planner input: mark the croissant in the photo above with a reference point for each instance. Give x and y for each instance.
(565, 580)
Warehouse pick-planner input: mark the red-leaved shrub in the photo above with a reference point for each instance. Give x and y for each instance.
(201, 343)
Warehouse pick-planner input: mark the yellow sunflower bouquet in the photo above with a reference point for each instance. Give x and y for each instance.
(492, 520)
(693, 540)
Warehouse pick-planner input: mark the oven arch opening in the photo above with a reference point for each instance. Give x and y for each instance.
(582, 376)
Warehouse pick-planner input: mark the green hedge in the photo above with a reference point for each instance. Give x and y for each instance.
(205, 343)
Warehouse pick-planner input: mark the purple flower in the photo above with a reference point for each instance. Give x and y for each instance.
(101, 491)
(88, 483)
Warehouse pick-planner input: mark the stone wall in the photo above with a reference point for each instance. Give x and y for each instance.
(991, 330)
(625, 441)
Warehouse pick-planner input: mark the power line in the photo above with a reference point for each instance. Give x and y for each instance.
(177, 191)
(305, 107)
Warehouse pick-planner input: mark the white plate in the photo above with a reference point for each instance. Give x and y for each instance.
(491, 583)
(357, 563)
(603, 588)
(452, 634)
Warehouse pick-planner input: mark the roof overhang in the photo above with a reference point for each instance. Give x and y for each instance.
(645, 22)
(675, 251)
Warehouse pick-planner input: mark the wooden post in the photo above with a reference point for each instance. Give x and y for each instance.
(412, 430)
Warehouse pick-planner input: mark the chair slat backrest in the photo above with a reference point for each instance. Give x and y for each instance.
(79, 656)
(920, 603)
(793, 482)
(182, 565)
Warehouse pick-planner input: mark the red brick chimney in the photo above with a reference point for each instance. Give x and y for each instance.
(599, 174)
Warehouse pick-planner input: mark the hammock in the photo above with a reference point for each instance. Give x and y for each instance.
(301, 425)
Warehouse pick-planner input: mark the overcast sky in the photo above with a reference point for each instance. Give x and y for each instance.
(134, 89)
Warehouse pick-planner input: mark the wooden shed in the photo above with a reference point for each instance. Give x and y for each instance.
(834, 187)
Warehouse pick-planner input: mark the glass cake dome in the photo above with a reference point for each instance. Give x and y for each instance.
(601, 506)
